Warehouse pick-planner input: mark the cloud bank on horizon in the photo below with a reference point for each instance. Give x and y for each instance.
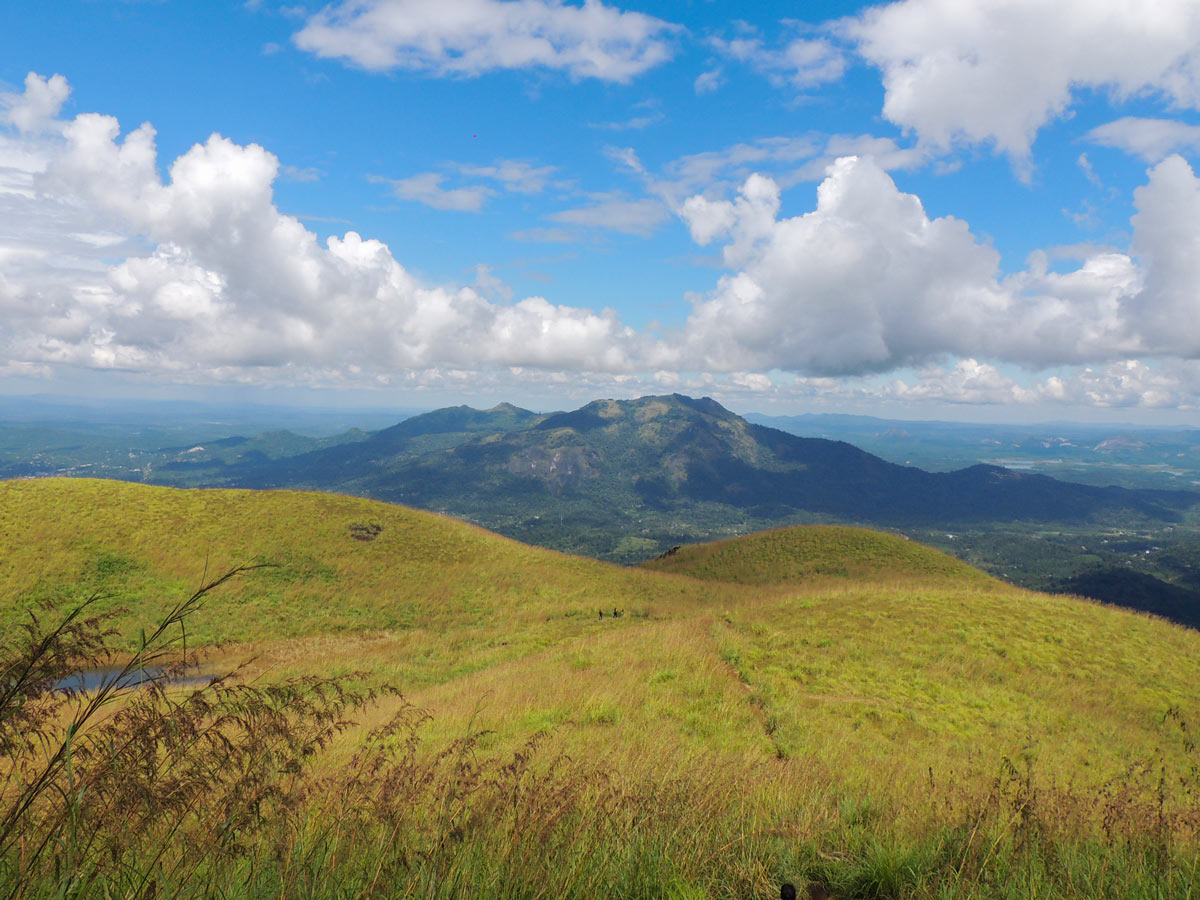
(115, 260)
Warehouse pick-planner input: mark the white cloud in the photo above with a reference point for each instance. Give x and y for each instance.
(213, 282)
(307, 175)
(546, 235)
(616, 212)
(514, 175)
(1151, 139)
(426, 188)
(788, 160)
(1128, 383)
(1125, 384)
(888, 155)
(751, 381)
(967, 381)
(470, 37)
(104, 263)
(635, 123)
(801, 63)
(998, 70)
(36, 108)
(1166, 237)
(699, 170)
(1089, 172)
(713, 171)
(707, 82)
(864, 282)
(490, 285)
(868, 282)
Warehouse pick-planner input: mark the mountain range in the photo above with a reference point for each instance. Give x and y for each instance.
(651, 470)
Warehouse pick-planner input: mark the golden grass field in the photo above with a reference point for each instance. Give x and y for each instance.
(889, 684)
(810, 642)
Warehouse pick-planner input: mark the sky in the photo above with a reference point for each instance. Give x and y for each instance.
(976, 209)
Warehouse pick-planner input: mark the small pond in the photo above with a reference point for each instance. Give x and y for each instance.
(94, 679)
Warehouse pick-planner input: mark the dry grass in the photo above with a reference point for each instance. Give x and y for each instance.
(898, 727)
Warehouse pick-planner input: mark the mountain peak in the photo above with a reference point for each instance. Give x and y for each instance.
(603, 413)
(506, 407)
(706, 405)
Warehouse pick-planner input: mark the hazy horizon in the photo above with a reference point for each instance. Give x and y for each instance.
(374, 415)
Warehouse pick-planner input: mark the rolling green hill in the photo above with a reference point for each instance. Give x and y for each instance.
(935, 655)
(800, 553)
(823, 688)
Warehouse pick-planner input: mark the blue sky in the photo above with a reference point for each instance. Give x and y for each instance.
(933, 208)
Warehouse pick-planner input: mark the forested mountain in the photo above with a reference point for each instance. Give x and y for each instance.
(621, 478)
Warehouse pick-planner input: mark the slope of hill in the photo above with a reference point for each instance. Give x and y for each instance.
(800, 553)
(932, 655)
(858, 696)
(337, 563)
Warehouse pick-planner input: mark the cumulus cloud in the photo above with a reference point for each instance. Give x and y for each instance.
(105, 263)
(471, 37)
(1166, 238)
(868, 282)
(36, 108)
(1130, 383)
(968, 381)
(213, 281)
(864, 282)
(1151, 139)
(997, 71)
(1123, 384)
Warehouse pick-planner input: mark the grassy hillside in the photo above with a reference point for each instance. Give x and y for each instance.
(843, 635)
(802, 553)
(339, 568)
(814, 690)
